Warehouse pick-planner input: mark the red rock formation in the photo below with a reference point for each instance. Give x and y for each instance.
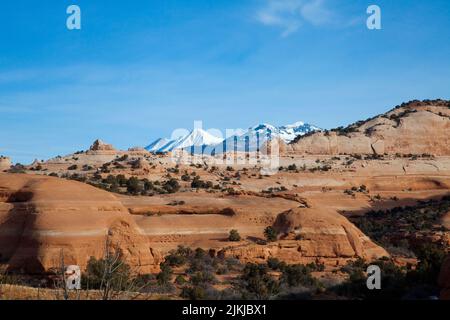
(5, 163)
(42, 217)
(99, 145)
(413, 128)
(308, 235)
(323, 233)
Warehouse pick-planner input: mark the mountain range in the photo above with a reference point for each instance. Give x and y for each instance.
(199, 140)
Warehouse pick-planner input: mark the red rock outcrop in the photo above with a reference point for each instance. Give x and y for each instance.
(308, 235)
(44, 217)
(5, 163)
(412, 128)
(326, 233)
(99, 145)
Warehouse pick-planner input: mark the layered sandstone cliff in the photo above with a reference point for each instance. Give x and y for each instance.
(412, 128)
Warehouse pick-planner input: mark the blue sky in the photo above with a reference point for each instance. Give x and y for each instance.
(139, 69)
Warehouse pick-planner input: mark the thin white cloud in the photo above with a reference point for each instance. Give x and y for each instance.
(290, 15)
(315, 12)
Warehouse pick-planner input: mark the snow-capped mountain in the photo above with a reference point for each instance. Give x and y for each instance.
(289, 132)
(256, 137)
(196, 138)
(251, 140)
(156, 145)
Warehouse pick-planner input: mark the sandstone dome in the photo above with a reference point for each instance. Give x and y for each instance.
(326, 234)
(43, 217)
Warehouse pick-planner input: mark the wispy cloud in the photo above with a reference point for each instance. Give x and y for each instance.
(290, 15)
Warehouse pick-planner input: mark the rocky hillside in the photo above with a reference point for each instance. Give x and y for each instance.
(416, 127)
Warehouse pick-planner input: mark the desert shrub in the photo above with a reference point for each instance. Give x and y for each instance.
(397, 282)
(97, 176)
(197, 183)
(232, 264)
(392, 227)
(256, 283)
(123, 158)
(186, 177)
(78, 177)
(316, 267)
(431, 257)
(180, 280)
(121, 180)
(134, 186)
(203, 277)
(171, 186)
(174, 170)
(393, 281)
(105, 167)
(165, 275)
(179, 257)
(87, 167)
(114, 187)
(296, 275)
(271, 234)
(193, 293)
(234, 236)
(200, 261)
(275, 264)
(148, 185)
(110, 179)
(72, 167)
(143, 281)
(108, 271)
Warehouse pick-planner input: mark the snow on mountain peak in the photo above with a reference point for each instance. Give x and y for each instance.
(294, 125)
(251, 139)
(197, 137)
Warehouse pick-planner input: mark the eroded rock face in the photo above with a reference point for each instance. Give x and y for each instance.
(42, 218)
(309, 235)
(5, 163)
(322, 233)
(415, 128)
(99, 145)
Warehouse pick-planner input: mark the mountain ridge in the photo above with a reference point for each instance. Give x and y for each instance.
(253, 138)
